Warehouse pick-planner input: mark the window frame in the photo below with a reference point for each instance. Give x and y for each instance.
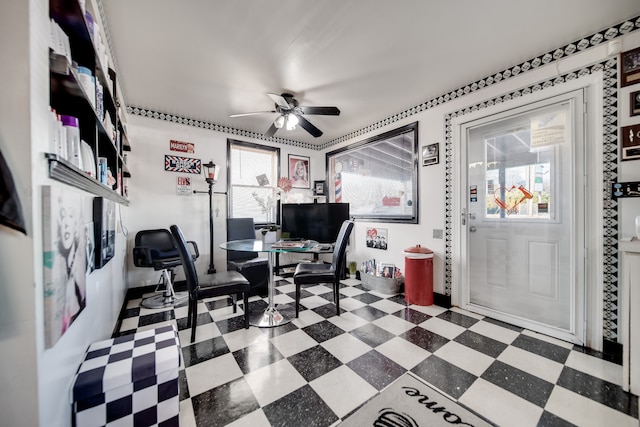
(413, 217)
(255, 146)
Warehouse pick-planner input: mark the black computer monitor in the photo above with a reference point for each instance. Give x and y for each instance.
(315, 221)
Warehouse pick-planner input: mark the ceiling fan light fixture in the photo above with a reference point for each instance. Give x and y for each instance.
(279, 122)
(292, 121)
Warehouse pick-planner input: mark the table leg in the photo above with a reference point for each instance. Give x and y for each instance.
(274, 314)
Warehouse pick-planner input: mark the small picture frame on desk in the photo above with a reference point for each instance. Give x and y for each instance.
(387, 270)
(318, 188)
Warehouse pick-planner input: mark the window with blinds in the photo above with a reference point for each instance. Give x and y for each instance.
(253, 172)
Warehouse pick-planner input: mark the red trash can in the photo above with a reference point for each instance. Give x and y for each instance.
(418, 275)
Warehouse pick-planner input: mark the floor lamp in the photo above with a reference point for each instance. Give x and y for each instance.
(211, 176)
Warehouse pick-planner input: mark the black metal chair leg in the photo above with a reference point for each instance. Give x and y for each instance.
(245, 296)
(194, 321)
(336, 296)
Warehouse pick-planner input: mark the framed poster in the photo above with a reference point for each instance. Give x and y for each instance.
(430, 154)
(64, 257)
(299, 171)
(630, 67)
(104, 219)
(183, 186)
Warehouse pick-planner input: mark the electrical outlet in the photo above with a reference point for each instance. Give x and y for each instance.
(437, 233)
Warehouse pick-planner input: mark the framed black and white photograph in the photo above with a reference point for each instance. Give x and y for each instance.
(635, 103)
(318, 188)
(64, 256)
(104, 220)
(377, 238)
(630, 67)
(430, 154)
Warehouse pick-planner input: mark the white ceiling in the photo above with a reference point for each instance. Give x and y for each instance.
(208, 59)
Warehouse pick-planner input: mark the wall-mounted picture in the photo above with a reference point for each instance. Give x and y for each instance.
(635, 103)
(299, 171)
(378, 176)
(183, 186)
(182, 164)
(377, 238)
(430, 154)
(319, 188)
(104, 219)
(630, 67)
(64, 258)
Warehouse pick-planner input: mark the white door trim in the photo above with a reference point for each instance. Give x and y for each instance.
(593, 276)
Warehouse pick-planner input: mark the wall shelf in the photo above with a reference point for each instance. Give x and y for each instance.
(63, 171)
(99, 114)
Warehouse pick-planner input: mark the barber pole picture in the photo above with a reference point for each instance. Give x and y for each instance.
(338, 188)
(182, 164)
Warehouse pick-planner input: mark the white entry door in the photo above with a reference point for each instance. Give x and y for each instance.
(523, 224)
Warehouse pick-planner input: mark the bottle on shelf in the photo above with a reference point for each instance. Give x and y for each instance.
(73, 140)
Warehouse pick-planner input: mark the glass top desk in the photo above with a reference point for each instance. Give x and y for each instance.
(274, 314)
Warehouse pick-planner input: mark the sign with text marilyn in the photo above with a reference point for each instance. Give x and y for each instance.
(185, 147)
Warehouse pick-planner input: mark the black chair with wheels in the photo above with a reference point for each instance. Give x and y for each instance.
(315, 273)
(208, 286)
(249, 264)
(156, 249)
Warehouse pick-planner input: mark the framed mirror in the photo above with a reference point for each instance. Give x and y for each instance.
(378, 177)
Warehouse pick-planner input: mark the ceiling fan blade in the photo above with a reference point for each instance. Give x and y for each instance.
(279, 100)
(306, 125)
(325, 111)
(272, 130)
(251, 114)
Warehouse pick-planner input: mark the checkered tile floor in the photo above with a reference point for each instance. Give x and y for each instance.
(319, 368)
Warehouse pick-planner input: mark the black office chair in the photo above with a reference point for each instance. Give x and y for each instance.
(314, 273)
(249, 264)
(210, 285)
(156, 249)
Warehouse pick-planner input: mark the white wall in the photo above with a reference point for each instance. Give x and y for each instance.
(18, 373)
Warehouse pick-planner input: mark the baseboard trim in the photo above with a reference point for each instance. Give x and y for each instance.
(442, 300)
(132, 293)
(613, 350)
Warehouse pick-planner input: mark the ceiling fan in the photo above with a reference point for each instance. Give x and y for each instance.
(291, 114)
